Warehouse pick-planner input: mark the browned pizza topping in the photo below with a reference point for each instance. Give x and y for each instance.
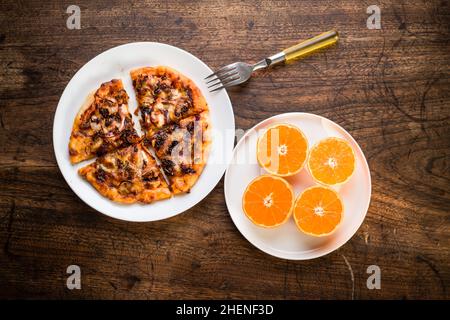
(149, 178)
(102, 150)
(168, 166)
(109, 121)
(145, 110)
(181, 109)
(120, 164)
(130, 171)
(189, 93)
(172, 145)
(165, 86)
(160, 138)
(104, 112)
(130, 136)
(151, 175)
(85, 125)
(125, 187)
(190, 127)
(101, 175)
(186, 169)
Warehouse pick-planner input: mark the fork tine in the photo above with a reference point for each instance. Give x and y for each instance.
(221, 70)
(217, 81)
(223, 77)
(216, 89)
(223, 87)
(227, 84)
(226, 81)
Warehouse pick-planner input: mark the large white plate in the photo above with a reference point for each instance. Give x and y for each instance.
(287, 241)
(117, 63)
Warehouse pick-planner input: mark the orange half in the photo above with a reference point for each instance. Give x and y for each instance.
(331, 161)
(268, 201)
(282, 150)
(318, 211)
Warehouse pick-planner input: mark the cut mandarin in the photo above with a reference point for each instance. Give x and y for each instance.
(318, 211)
(282, 150)
(268, 201)
(331, 161)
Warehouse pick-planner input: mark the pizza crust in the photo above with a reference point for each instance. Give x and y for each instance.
(77, 141)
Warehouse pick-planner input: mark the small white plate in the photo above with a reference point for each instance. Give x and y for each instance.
(117, 63)
(287, 241)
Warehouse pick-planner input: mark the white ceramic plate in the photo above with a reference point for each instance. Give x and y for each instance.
(117, 63)
(287, 241)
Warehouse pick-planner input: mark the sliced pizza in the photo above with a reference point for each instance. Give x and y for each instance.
(165, 96)
(103, 123)
(127, 175)
(183, 149)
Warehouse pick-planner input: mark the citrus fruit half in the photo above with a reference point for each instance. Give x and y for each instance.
(318, 211)
(331, 161)
(282, 150)
(268, 201)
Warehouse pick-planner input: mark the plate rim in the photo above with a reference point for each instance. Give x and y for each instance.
(312, 255)
(60, 159)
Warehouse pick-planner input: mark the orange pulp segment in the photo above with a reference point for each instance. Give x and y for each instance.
(268, 201)
(282, 150)
(331, 161)
(318, 211)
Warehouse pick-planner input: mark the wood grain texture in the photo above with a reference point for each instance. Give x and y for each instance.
(389, 88)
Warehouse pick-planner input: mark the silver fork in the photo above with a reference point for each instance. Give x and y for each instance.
(239, 72)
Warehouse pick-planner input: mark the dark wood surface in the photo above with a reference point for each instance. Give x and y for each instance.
(389, 88)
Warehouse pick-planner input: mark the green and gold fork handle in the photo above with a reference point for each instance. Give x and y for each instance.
(300, 50)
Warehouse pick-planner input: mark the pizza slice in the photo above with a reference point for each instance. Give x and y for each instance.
(127, 175)
(183, 149)
(165, 96)
(103, 123)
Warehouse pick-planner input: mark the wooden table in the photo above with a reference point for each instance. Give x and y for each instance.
(389, 88)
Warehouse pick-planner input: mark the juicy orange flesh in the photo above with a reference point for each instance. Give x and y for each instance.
(331, 161)
(268, 201)
(318, 211)
(282, 149)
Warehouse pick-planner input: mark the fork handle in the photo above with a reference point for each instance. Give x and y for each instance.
(305, 47)
(308, 46)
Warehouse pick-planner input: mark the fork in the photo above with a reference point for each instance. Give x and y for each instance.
(239, 72)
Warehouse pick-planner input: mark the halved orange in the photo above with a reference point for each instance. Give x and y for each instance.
(331, 161)
(318, 211)
(282, 150)
(268, 201)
